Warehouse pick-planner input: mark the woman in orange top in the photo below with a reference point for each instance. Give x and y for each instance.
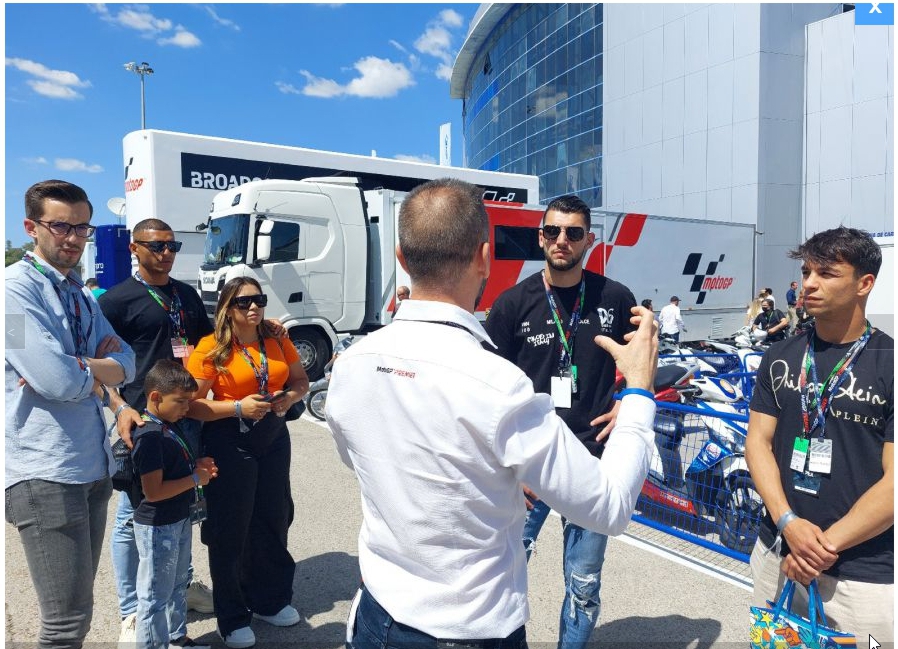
(254, 379)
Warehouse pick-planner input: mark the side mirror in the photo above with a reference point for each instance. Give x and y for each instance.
(263, 240)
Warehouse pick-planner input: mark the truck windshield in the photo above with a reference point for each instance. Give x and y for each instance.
(226, 241)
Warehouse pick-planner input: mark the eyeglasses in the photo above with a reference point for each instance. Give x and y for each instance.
(62, 229)
(159, 246)
(574, 232)
(243, 302)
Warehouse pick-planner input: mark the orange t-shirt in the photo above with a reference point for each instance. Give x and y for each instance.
(240, 381)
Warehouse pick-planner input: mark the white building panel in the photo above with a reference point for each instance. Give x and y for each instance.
(696, 41)
(695, 163)
(745, 157)
(780, 156)
(720, 204)
(633, 66)
(674, 48)
(835, 144)
(652, 118)
(745, 203)
(696, 112)
(720, 94)
(868, 204)
(672, 166)
(871, 68)
(653, 57)
(651, 171)
(836, 62)
(747, 37)
(746, 92)
(835, 204)
(720, 37)
(868, 144)
(695, 205)
(674, 107)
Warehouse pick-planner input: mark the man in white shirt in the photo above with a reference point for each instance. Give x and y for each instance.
(442, 434)
(671, 321)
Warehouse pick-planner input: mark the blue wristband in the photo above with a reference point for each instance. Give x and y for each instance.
(639, 391)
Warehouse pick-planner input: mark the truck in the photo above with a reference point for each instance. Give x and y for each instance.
(175, 176)
(323, 250)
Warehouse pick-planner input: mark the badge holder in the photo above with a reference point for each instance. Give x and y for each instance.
(198, 510)
(562, 388)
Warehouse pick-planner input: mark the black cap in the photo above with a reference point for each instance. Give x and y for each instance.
(674, 298)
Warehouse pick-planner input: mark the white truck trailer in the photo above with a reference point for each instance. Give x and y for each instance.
(323, 250)
(175, 176)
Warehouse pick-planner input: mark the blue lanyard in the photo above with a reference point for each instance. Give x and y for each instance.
(566, 355)
(72, 313)
(175, 311)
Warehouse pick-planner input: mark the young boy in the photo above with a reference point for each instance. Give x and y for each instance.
(172, 481)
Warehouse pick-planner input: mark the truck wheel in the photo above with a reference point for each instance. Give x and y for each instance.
(317, 399)
(313, 351)
(740, 516)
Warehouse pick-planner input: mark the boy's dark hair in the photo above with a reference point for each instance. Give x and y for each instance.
(57, 190)
(168, 376)
(570, 204)
(647, 303)
(848, 245)
(91, 282)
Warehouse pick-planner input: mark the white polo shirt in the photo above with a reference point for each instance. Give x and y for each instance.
(441, 434)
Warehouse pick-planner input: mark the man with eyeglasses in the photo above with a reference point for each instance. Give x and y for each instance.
(161, 318)
(545, 325)
(60, 350)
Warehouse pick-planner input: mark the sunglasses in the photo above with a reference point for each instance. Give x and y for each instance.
(62, 229)
(159, 246)
(243, 302)
(573, 232)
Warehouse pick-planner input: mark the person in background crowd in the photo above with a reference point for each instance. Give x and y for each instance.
(769, 295)
(755, 307)
(791, 304)
(161, 318)
(820, 446)
(94, 287)
(440, 548)
(254, 379)
(671, 321)
(402, 293)
(60, 350)
(544, 325)
(647, 304)
(771, 320)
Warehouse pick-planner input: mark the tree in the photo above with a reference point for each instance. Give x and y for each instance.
(15, 254)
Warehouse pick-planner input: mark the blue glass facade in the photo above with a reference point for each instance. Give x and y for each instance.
(533, 99)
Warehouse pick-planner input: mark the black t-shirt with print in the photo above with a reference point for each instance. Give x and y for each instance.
(859, 423)
(154, 450)
(146, 327)
(520, 323)
(768, 319)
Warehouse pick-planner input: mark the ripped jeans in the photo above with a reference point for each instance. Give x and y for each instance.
(584, 554)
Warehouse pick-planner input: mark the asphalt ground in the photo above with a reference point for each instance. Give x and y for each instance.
(650, 598)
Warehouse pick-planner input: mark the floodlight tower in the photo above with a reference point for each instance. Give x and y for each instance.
(143, 69)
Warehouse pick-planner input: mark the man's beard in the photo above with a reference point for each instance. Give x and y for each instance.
(480, 293)
(561, 264)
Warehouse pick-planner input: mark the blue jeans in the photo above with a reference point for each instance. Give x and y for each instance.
(162, 582)
(376, 629)
(584, 554)
(61, 527)
(125, 558)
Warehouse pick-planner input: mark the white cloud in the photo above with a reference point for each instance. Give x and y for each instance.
(398, 46)
(71, 164)
(58, 84)
(287, 88)
(444, 71)
(182, 38)
(222, 21)
(451, 18)
(436, 41)
(139, 17)
(429, 159)
(39, 160)
(378, 78)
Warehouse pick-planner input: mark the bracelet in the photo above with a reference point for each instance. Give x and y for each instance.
(639, 391)
(118, 410)
(238, 409)
(785, 519)
(196, 479)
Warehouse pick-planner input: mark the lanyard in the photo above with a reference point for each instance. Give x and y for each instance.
(72, 314)
(261, 373)
(566, 354)
(819, 397)
(175, 311)
(167, 430)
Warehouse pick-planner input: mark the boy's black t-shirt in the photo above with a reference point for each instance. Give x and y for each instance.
(859, 423)
(146, 327)
(154, 450)
(521, 325)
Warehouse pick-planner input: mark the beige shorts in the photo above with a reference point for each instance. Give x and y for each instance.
(850, 606)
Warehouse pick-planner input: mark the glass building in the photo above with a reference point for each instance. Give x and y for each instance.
(530, 77)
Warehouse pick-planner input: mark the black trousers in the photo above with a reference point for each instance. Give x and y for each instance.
(250, 511)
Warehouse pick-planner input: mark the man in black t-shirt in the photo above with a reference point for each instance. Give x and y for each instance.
(772, 321)
(825, 473)
(141, 311)
(525, 323)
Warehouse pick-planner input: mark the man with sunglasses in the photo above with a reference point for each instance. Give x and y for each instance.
(60, 350)
(161, 318)
(545, 325)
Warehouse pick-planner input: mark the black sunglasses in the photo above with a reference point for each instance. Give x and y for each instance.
(159, 246)
(63, 229)
(574, 232)
(243, 302)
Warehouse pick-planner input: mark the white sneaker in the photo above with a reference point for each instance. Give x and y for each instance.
(241, 638)
(127, 639)
(287, 616)
(199, 597)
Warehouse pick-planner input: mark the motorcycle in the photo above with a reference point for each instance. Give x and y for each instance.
(716, 487)
(316, 397)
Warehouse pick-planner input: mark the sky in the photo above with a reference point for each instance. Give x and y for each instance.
(350, 78)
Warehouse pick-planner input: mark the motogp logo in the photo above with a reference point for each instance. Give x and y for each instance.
(706, 280)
